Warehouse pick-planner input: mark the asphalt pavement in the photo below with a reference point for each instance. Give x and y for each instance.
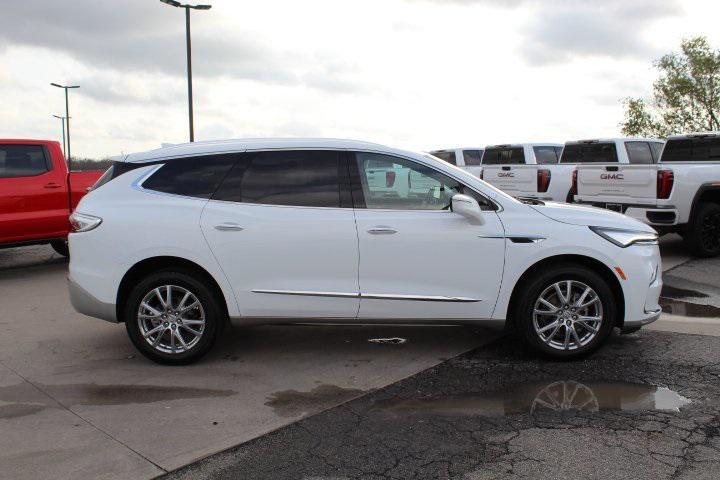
(77, 401)
(647, 406)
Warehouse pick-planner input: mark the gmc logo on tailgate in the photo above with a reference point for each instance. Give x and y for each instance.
(612, 176)
(506, 174)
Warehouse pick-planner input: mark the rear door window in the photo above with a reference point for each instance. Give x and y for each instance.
(694, 149)
(472, 157)
(545, 155)
(447, 155)
(23, 161)
(191, 177)
(639, 152)
(504, 156)
(596, 152)
(303, 178)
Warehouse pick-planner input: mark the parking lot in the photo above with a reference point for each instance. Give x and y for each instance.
(77, 401)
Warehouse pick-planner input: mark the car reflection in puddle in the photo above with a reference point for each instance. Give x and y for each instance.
(535, 398)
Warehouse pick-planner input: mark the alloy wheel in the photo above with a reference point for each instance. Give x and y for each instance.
(567, 315)
(171, 319)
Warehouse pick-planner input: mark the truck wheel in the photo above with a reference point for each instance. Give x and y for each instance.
(565, 312)
(703, 238)
(61, 247)
(173, 318)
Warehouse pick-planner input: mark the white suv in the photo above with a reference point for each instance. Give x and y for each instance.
(175, 242)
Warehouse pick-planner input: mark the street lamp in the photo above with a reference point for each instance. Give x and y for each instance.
(67, 117)
(63, 132)
(187, 8)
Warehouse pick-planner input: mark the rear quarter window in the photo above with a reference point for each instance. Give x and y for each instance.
(23, 161)
(193, 177)
(598, 152)
(503, 156)
(700, 149)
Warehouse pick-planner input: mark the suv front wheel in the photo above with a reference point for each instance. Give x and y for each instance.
(568, 311)
(172, 318)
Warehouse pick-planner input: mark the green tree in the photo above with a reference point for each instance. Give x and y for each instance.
(686, 96)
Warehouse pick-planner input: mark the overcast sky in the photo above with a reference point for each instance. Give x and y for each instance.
(418, 74)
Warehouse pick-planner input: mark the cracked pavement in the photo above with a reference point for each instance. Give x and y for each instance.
(498, 413)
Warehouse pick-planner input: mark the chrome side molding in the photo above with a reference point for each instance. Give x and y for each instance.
(374, 296)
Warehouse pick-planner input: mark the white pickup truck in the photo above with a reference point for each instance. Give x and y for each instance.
(529, 170)
(678, 191)
(467, 158)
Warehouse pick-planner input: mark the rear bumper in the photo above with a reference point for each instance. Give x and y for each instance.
(650, 214)
(85, 303)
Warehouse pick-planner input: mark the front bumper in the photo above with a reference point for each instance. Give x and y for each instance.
(85, 303)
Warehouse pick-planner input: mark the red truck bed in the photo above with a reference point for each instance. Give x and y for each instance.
(37, 194)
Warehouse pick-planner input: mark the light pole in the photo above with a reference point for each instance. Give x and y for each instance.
(67, 118)
(187, 8)
(63, 132)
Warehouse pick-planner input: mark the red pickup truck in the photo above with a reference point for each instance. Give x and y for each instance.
(37, 193)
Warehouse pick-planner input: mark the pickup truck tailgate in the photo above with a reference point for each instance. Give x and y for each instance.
(617, 183)
(513, 179)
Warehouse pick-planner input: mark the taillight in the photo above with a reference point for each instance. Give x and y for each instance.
(543, 180)
(573, 187)
(665, 180)
(81, 222)
(389, 179)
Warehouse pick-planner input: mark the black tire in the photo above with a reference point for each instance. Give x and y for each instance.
(703, 237)
(523, 314)
(210, 306)
(61, 247)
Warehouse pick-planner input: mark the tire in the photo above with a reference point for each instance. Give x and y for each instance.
(173, 343)
(552, 341)
(703, 237)
(61, 247)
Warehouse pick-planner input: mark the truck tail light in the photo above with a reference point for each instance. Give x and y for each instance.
(81, 222)
(573, 187)
(543, 180)
(665, 180)
(389, 179)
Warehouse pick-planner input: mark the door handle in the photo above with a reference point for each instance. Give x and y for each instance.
(52, 185)
(381, 231)
(229, 227)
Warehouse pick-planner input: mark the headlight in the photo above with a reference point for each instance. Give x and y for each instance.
(625, 238)
(82, 222)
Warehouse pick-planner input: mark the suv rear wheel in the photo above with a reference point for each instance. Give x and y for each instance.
(172, 318)
(567, 312)
(703, 238)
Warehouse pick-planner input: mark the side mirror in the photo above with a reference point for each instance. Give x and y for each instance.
(468, 207)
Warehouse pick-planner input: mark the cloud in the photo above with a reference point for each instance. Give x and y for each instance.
(563, 30)
(147, 36)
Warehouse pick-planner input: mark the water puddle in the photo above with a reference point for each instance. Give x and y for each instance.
(15, 410)
(688, 309)
(675, 292)
(390, 341)
(537, 398)
(292, 403)
(94, 394)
